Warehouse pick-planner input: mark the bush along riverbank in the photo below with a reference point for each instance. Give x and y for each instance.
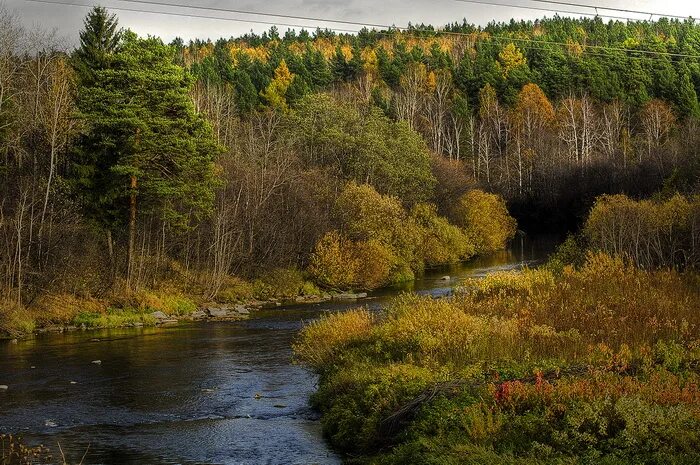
(599, 364)
(379, 242)
(167, 305)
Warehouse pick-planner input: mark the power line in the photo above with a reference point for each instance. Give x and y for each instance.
(547, 42)
(550, 10)
(610, 8)
(259, 13)
(647, 53)
(192, 15)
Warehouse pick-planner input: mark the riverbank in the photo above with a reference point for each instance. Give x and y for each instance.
(596, 365)
(181, 300)
(161, 392)
(62, 313)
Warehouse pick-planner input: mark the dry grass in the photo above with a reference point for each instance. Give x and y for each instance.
(590, 365)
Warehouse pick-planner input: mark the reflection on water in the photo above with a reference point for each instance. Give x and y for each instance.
(204, 393)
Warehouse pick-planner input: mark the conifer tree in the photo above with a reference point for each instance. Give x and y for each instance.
(143, 149)
(98, 41)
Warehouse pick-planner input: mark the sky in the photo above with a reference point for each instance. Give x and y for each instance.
(66, 20)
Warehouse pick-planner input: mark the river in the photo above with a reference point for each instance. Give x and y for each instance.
(200, 393)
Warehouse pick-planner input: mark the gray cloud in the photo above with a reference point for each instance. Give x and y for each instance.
(67, 20)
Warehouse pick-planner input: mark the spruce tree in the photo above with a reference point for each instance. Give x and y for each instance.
(98, 41)
(143, 150)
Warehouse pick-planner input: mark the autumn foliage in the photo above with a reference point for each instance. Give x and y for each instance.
(597, 365)
(379, 242)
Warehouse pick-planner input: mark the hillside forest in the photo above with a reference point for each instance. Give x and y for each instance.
(139, 174)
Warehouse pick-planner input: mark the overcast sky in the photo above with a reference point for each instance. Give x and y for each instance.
(68, 19)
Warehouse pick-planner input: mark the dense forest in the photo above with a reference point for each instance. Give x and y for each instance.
(226, 170)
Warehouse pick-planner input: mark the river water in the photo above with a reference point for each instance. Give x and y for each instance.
(200, 393)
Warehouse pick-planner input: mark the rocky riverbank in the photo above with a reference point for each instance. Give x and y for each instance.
(211, 311)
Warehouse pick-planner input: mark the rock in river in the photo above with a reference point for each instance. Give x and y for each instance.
(350, 296)
(198, 315)
(216, 312)
(4, 387)
(242, 310)
(159, 315)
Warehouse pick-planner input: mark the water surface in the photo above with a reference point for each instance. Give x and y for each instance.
(200, 393)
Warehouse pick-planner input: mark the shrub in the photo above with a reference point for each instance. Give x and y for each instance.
(324, 339)
(281, 282)
(114, 318)
(14, 451)
(441, 242)
(485, 219)
(595, 364)
(380, 243)
(650, 233)
(235, 289)
(14, 320)
(332, 262)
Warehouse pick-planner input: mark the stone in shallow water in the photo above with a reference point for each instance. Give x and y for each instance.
(4, 387)
(216, 312)
(97, 362)
(242, 310)
(350, 296)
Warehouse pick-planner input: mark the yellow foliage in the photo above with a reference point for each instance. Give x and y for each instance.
(332, 262)
(324, 339)
(275, 93)
(647, 232)
(485, 219)
(533, 104)
(340, 263)
(430, 82)
(511, 57)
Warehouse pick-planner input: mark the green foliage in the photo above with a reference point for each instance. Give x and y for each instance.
(442, 242)
(367, 148)
(99, 40)
(571, 252)
(281, 283)
(114, 318)
(138, 120)
(380, 243)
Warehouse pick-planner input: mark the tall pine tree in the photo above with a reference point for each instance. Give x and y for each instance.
(143, 150)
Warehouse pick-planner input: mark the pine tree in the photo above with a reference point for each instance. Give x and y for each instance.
(99, 39)
(143, 149)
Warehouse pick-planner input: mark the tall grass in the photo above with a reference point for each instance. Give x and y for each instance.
(598, 364)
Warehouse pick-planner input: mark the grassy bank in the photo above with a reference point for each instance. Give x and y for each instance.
(596, 365)
(176, 298)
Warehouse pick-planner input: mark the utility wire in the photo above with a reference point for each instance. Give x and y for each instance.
(192, 15)
(610, 8)
(259, 13)
(550, 10)
(647, 53)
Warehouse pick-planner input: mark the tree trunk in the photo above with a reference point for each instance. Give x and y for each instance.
(132, 232)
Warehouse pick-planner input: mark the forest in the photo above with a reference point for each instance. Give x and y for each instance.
(141, 177)
(135, 171)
